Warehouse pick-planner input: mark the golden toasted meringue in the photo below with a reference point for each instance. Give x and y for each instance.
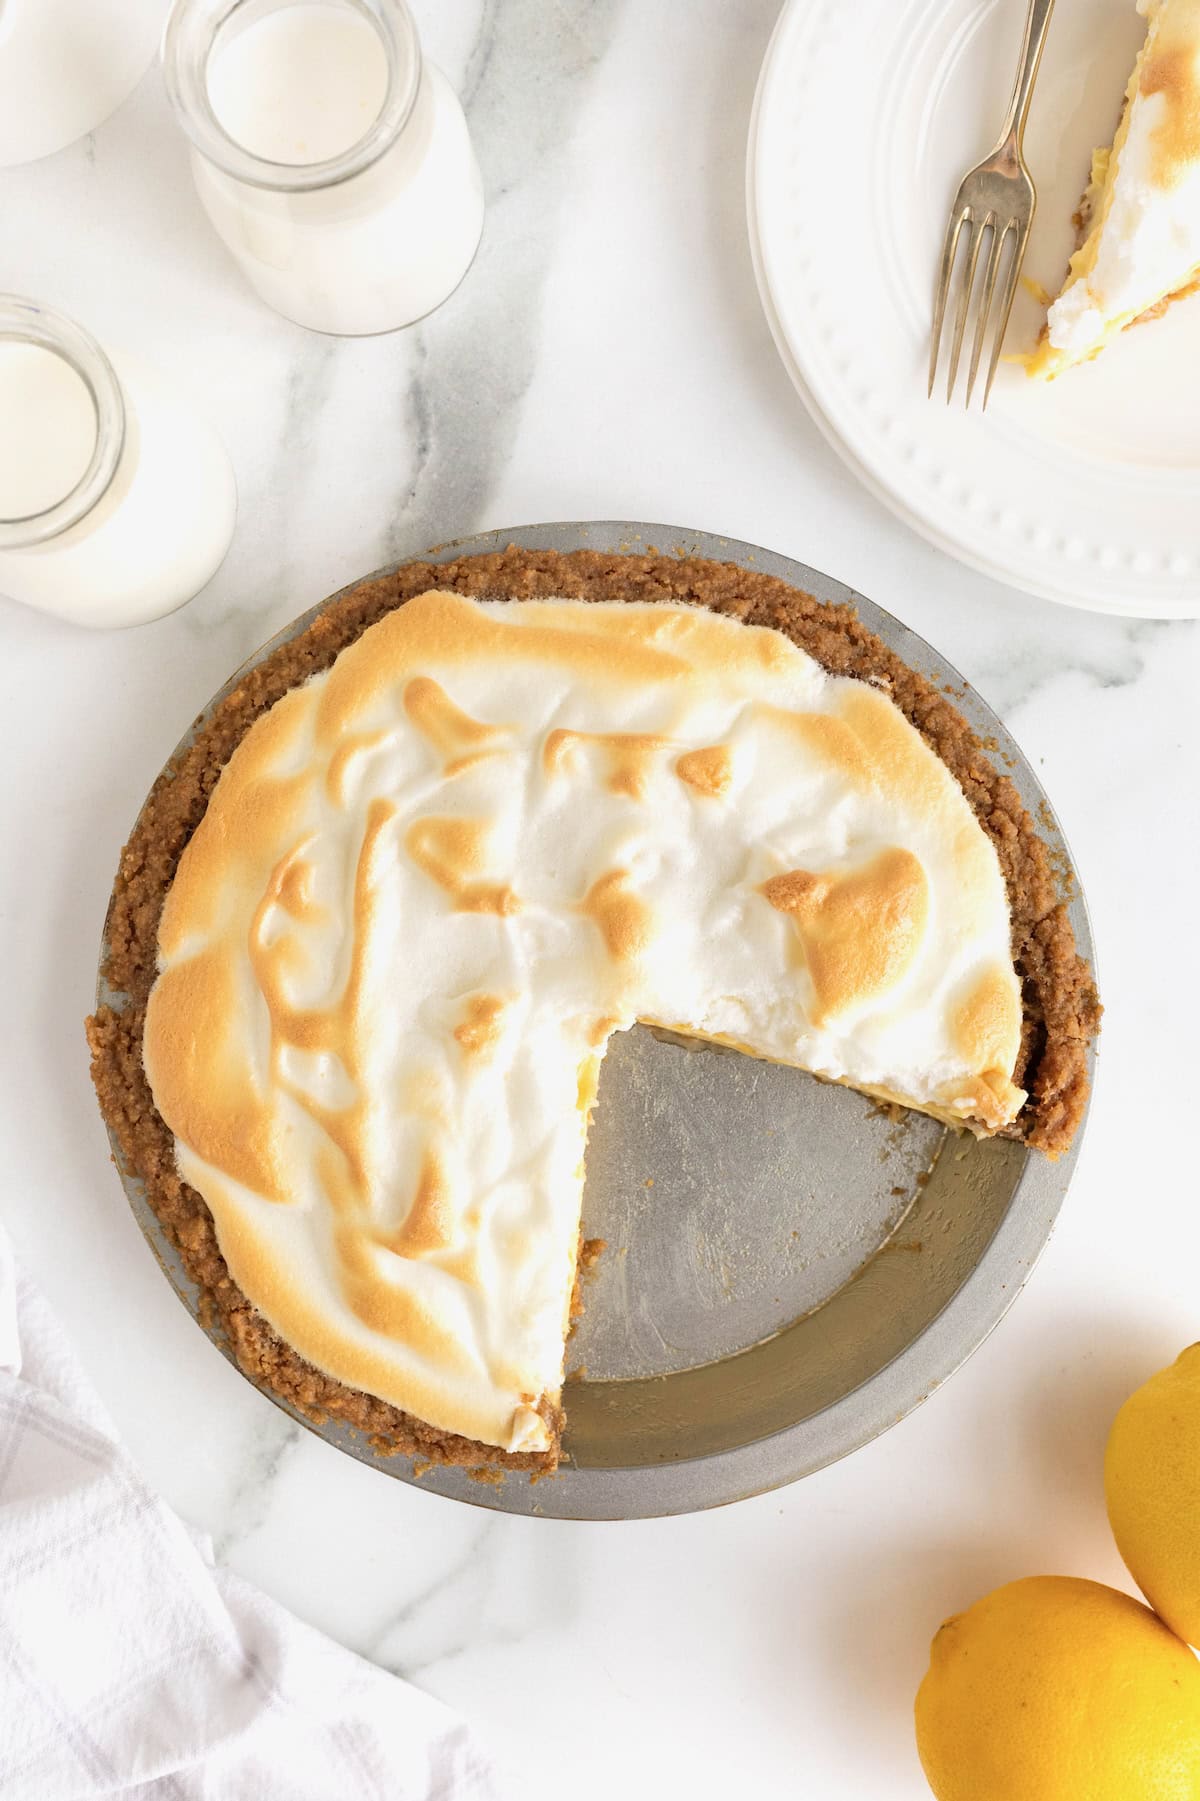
(430, 884)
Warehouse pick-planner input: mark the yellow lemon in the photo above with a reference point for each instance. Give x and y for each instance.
(1152, 1485)
(1054, 1689)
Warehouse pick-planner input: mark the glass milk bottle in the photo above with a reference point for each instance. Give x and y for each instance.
(116, 503)
(65, 65)
(332, 159)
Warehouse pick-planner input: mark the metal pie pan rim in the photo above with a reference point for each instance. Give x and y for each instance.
(968, 1317)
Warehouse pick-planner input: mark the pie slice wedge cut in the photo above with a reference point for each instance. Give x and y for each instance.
(1140, 215)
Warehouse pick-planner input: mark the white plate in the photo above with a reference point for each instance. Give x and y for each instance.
(1087, 490)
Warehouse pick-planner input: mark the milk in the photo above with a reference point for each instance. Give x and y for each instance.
(161, 526)
(295, 94)
(65, 65)
(47, 429)
(300, 85)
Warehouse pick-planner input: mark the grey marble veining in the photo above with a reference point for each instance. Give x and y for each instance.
(605, 357)
(447, 1614)
(1116, 655)
(472, 361)
(259, 1468)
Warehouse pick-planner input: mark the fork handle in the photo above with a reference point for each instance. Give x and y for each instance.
(1037, 24)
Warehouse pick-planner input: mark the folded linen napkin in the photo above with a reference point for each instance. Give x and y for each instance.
(131, 1666)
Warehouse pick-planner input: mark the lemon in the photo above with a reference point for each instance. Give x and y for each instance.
(1055, 1689)
(1152, 1485)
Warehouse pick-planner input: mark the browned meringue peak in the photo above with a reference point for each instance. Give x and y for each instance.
(432, 881)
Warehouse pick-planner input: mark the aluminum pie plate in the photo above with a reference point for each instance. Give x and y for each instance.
(790, 1269)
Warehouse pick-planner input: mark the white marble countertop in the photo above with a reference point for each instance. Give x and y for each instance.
(606, 358)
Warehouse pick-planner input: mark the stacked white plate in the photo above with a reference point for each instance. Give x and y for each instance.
(1086, 490)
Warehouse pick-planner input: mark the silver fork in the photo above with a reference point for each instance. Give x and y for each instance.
(998, 195)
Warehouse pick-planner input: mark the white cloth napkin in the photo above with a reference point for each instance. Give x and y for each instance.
(131, 1666)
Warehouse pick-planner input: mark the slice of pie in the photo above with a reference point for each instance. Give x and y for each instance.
(454, 845)
(1140, 216)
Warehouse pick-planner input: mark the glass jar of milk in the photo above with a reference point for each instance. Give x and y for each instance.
(65, 65)
(333, 160)
(116, 503)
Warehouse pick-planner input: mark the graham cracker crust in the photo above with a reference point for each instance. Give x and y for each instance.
(1061, 1008)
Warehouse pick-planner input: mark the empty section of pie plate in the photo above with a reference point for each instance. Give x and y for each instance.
(789, 1268)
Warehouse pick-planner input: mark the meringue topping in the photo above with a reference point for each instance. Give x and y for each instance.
(432, 881)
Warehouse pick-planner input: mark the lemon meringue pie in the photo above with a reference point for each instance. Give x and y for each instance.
(1140, 215)
(436, 876)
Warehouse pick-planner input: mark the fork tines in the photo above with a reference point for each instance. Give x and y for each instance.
(978, 223)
